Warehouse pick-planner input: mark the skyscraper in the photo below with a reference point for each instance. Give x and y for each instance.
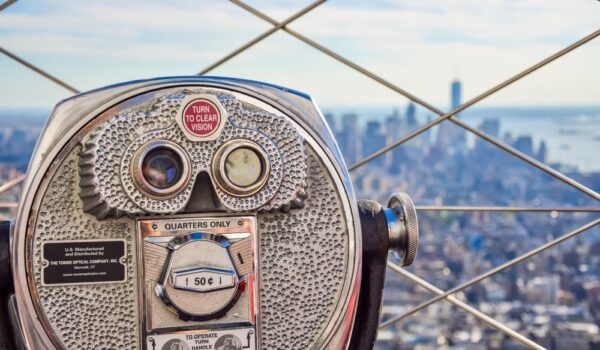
(349, 138)
(490, 126)
(411, 115)
(542, 153)
(373, 141)
(393, 130)
(456, 89)
(483, 150)
(452, 139)
(524, 144)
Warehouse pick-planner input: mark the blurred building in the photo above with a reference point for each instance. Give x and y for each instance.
(349, 138)
(450, 138)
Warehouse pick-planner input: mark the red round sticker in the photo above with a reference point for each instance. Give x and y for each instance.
(201, 117)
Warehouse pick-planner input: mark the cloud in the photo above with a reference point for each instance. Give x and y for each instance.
(481, 22)
(111, 17)
(109, 28)
(418, 45)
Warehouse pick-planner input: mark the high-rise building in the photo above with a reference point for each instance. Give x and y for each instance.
(349, 138)
(411, 124)
(411, 115)
(542, 153)
(373, 141)
(508, 138)
(394, 129)
(456, 91)
(524, 144)
(451, 138)
(490, 127)
(394, 125)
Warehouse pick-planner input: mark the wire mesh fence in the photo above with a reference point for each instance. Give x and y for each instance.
(443, 117)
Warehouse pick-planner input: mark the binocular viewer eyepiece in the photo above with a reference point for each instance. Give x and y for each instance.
(195, 213)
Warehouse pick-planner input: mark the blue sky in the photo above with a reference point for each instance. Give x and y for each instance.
(420, 46)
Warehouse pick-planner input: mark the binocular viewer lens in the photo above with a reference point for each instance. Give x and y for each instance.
(198, 213)
(240, 168)
(161, 169)
(243, 167)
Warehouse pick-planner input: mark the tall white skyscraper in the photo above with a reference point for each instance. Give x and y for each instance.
(450, 137)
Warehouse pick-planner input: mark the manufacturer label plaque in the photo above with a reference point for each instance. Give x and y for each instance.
(83, 262)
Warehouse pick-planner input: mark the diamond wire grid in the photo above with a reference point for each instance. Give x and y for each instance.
(492, 272)
(466, 307)
(263, 36)
(449, 116)
(6, 4)
(7, 186)
(39, 70)
(12, 183)
(34, 68)
(506, 209)
(395, 88)
(444, 116)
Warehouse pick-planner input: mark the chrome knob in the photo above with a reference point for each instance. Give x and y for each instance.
(403, 228)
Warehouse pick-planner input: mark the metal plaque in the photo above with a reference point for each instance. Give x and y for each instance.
(83, 262)
(241, 338)
(199, 273)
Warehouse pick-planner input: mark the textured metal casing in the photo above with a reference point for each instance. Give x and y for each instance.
(73, 115)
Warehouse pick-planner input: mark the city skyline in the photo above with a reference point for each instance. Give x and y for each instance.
(455, 140)
(560, 287)
(479, 207)
(567, 133)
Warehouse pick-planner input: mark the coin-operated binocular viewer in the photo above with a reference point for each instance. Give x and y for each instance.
(195, 213)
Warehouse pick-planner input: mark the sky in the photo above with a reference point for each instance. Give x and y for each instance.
(420, 46)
